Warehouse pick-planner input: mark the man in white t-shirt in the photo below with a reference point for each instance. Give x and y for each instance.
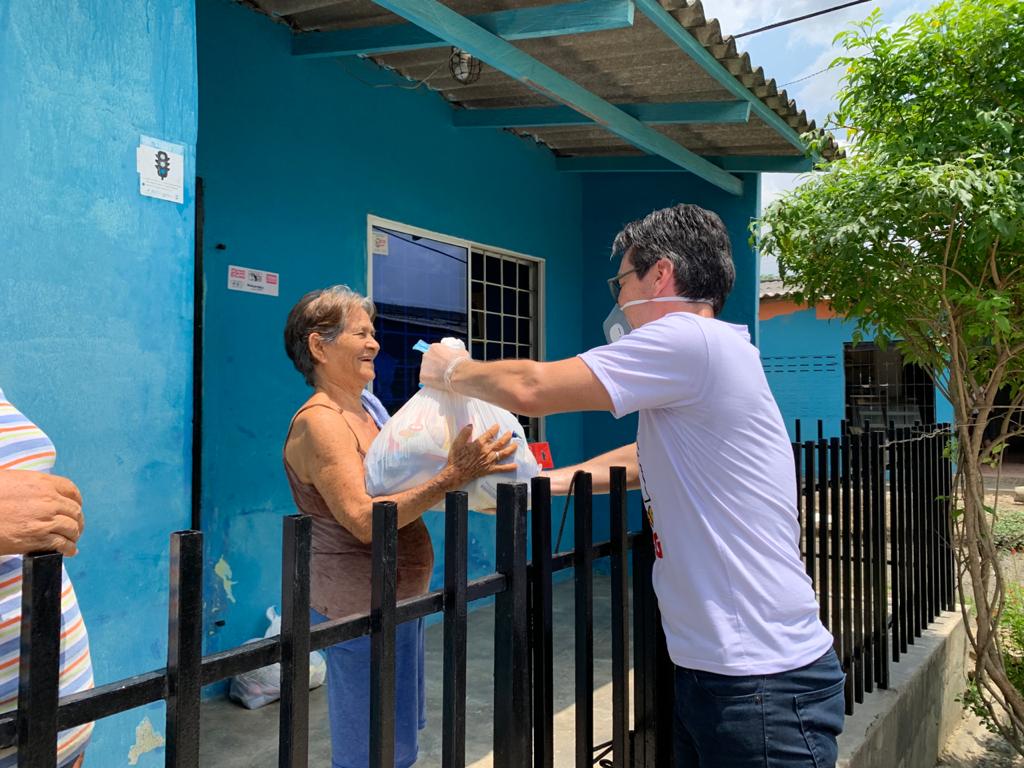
(757, 682)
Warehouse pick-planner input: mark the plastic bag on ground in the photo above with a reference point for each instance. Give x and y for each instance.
(262, 686)
(413, 445)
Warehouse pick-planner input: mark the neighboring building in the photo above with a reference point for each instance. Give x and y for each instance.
(328, 142)
(816, 370)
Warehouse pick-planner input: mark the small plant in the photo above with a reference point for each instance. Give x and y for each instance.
(1008, 530)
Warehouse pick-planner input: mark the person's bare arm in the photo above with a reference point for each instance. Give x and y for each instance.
(323, 451)
(598, 467)
(39, 513)
(521, 386)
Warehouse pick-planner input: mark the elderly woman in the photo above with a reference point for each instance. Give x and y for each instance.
(330, 339)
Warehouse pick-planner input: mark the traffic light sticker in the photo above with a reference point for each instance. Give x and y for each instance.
(161, 168)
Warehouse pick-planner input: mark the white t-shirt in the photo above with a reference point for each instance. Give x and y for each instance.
(718, 484)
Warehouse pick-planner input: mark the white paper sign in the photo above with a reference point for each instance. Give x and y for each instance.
(161, 167)
(380, 244)
(252, 280)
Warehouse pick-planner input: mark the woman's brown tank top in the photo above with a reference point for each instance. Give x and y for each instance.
(340, 563)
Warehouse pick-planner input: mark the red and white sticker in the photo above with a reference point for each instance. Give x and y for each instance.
(252, 280)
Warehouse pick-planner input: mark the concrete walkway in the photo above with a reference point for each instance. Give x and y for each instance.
(234, 737)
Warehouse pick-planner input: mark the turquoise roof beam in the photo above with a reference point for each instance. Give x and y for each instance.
(518, 24)
(651, 114)
(648, 164)
(692, 47)
(459, 31)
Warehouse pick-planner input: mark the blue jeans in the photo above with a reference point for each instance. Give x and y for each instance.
(348, 696)
(785, 720)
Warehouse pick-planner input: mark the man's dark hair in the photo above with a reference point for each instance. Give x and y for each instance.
(694, 240)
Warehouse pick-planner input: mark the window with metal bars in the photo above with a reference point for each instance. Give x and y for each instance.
(419, 285)
(883, 389)
(503, 309)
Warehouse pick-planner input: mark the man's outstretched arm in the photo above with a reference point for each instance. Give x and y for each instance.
(598, 467)
(521, 386)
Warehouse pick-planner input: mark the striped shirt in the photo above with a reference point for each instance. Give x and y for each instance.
(24, 446)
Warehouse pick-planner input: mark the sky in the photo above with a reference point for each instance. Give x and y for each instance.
(798, 52)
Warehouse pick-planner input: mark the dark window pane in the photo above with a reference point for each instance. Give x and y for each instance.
(525, 310)
(509, 329)
(493, 327)
(478, 324)
(493, 299)
(478, 350)
(478, 266)
(494, 351)
(525, 353)
(493, 269)
(525, 337)
(509, 303)
(524, 276)
(509, 273)
(477, 295)
(508, 351)
(419, 288)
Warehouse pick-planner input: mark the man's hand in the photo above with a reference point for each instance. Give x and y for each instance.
(436, 361)
(38, 513)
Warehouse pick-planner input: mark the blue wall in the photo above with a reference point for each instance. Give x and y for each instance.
(803, 361)
(611, 200)
(97, 298)
(294, 154)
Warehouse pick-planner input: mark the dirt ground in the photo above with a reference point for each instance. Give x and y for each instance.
(970, 745)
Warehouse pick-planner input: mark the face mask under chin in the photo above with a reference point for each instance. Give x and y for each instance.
(616, 325)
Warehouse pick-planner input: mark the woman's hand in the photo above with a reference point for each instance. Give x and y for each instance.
(470, 459)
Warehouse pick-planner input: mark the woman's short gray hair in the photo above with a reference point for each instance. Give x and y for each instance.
(325, 312)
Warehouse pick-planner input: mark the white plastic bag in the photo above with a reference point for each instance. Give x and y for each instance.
(262, 686)
(413, 446)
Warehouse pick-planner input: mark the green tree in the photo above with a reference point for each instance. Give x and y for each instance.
(918, 232)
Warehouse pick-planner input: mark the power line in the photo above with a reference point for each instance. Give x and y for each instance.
(799, 18)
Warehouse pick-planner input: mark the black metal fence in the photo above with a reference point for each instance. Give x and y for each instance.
(523, 675)
(876, 531)
(875, 535)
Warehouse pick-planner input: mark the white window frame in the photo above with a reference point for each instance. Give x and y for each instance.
(373, 220)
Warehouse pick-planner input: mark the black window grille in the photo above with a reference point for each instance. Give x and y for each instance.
(883, 389)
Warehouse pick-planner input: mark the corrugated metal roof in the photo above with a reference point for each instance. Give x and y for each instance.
(773, 288)
(633, 65)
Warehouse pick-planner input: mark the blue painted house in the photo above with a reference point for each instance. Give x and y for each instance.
(468, 172)
(817, 371)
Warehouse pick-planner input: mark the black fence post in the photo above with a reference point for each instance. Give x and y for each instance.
(824, 581)
(870, 568)
(809, 529)
(835, 549)
(541, 626)
(645, 630)
(453, 737)
(854, 480)
(383, 592)
(946, 507)
(294, 715)
(848, 569)
(583, 571)
(620, 618)
(881, 599)
(39, 665)
(184, 649)
(895, 542)
(901, 509)
(511, 643)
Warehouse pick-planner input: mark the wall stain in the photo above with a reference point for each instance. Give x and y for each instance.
(223, 570)
(146, 740)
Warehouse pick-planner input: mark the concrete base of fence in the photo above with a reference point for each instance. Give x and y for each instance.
(907, 725)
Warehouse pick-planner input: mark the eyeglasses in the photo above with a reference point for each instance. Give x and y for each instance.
(615, 283)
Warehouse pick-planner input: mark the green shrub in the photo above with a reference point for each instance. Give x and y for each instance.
(1008, 530)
